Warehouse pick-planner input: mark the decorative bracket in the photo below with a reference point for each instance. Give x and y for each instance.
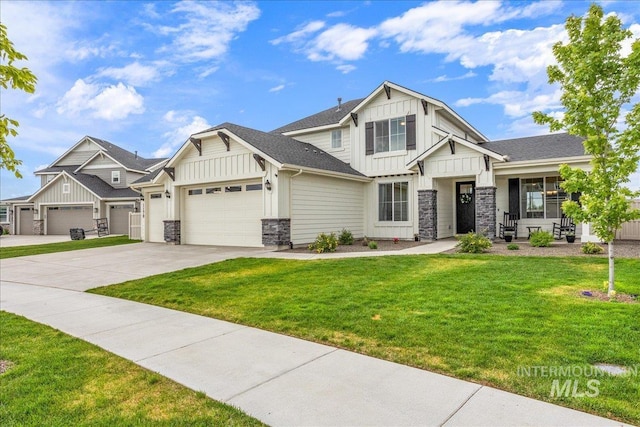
(421, 167)
(486, 162)
(260, 160)
(197, 143)
(171, 172)
(354, 117)
(387, 90)
(452, 145)
(425, 106)
(225, 138)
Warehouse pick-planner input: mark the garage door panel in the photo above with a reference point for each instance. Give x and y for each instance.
(223, 218)
(60, 219)
(25, 221)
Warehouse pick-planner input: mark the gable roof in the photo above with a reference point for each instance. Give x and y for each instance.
(553, 146)
(330, 116)
(415, 94)
(126, 158)
(480, 148)
(95, 185)
(285, 150)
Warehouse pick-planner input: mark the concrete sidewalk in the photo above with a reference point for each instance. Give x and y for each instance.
(278, 379)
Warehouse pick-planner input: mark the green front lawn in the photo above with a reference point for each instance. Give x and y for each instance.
(57, 380)
(71, 245)
(479, 317)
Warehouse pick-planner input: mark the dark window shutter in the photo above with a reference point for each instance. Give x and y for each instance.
(514, 196)
(411, 132)
(368, 138)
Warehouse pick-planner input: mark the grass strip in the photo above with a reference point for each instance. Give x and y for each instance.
(57, 380)
(476, 317)
(72, 245)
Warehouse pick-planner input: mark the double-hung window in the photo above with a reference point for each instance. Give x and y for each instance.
(336, 138)
(390, 135)
(4, 214)
(393, 201)
(115, 177)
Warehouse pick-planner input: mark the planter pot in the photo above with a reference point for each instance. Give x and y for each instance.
(417, 238)
(508, 238)
(571, 239)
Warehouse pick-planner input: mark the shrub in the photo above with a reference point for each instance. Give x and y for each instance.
(365, 241)
(324, 243)
(346, 237)
(513, 247)
(591, 248)
(473, 243)
(541, 239)
(373, 244)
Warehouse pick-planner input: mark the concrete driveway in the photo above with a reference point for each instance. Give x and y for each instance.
(90, 268)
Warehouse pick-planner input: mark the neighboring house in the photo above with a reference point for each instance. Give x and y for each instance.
(394, 164)
(90, 181)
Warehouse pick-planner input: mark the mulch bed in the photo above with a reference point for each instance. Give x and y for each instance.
(603, 296)
(622, 249)
(383, 245)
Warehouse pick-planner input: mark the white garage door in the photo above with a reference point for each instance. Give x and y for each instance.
(226, 215)
(119, 219)
(155, 215)
(60, 219)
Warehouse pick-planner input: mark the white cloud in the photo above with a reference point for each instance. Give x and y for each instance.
(208, 29)
(299, 35)
(114, 102)
(181, 125)
(341, 41)
(445, 78)
(517, 103)
(134, 74)
(276, 88)
(346, 68)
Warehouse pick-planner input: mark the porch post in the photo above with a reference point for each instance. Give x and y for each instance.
(428, 214)
(486, 211)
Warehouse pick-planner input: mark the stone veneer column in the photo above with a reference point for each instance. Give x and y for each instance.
(486, 211)
(276, 231)
(428, 214)
(38, 227)
(172, 231)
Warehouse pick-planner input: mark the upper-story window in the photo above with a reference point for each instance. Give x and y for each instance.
(115, 177)
(390, 135)
(66, 188)
(336, 138)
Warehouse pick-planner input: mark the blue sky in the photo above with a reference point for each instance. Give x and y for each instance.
(145, 75)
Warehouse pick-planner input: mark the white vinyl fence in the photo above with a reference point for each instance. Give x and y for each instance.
(630, 230)
(135, 225)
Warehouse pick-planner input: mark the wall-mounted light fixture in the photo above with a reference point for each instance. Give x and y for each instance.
(35, 211)
(267, 185)
(95, 210)
(167, 194)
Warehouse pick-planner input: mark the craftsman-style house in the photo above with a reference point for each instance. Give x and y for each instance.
(394, 164)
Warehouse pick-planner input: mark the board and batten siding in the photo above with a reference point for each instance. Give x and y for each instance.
(464, 163)
(324, 205)
(77, 194)
(79, 154)
(322, 140)
(446, 212)
(630, 230)
(216, 163)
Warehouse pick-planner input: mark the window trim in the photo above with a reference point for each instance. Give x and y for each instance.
(394, 221)
(543, 191)
(66, 188)
(333, 139)
(5, 214)
(115, 177)
(402, 119)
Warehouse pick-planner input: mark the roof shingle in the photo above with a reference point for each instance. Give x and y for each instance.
(329, 116)
(553, 146)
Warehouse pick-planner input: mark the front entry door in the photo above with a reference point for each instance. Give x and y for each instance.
(465, 207)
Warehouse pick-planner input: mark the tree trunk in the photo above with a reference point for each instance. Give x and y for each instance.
(611, 268)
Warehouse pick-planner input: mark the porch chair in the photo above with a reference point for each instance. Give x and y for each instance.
(565, 226)
(509, 224)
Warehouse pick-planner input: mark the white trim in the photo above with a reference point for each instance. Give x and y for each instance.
(85, 138)
(102, 154)
(445, 140)
(543, 162)
(325, 173)
(417, 95)
(313, 129)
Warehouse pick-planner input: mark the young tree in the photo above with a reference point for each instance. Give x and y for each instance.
(14, 78)
(598, 82)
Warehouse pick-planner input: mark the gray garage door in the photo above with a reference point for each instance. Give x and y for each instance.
(25, 222)
(119, 219)
(60, 219)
